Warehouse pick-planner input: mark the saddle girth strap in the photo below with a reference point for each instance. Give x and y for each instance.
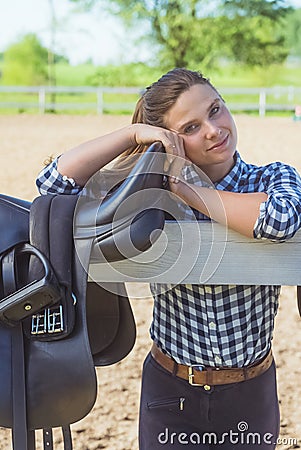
(67, 438)
(48, 438)
(21, 436)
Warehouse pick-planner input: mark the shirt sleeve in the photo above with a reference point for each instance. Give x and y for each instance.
(50, 181)
(280, 214)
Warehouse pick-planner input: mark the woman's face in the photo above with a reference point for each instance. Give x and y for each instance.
(208, 130)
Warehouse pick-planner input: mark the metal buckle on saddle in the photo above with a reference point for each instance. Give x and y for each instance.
(53, 322)
(49, 321)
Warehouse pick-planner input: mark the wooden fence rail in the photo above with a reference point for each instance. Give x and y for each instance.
(109, 99)
(207, 253)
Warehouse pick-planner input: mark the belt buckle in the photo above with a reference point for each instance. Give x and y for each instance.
(191, 377)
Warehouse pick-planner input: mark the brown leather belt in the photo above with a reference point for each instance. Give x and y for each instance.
(210, 375)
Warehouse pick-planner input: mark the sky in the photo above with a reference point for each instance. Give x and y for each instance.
(81, 36)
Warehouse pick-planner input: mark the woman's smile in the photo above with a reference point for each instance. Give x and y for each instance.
(221, 145)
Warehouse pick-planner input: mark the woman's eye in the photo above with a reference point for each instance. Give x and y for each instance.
(191, 128)
(214, 110)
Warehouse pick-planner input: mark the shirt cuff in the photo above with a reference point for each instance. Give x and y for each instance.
(64, 178)
(257, 232)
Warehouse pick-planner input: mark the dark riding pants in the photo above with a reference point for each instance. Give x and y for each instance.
(176, 415)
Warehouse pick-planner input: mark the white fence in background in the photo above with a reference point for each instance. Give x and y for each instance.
(109, 99)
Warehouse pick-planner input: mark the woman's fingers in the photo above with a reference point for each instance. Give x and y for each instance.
(175, 158)
(172, 142)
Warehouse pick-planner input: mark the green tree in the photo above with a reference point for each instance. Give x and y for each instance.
(293, 31)
(25, 62)
(198, 32)
(255, 29)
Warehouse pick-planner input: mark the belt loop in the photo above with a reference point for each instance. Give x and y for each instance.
(209, 378)
(246, 373)
(175, 369)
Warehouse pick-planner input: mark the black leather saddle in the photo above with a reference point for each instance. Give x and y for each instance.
(55, 326)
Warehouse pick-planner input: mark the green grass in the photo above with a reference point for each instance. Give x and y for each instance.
(237, 76)
(228, 75)
(88, 75)
(73, 75)
(231, 75)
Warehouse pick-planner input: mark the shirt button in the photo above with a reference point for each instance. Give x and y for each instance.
(65, 178)
(217, 359)
(212, 325)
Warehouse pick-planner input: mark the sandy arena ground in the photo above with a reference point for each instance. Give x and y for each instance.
(26, 141)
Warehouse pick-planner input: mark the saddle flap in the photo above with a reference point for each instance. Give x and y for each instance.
(110, 321)
(103, 317)
(14, 221)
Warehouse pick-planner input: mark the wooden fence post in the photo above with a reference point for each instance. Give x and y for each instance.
(262, 102)
(99, 95)
(42, 100)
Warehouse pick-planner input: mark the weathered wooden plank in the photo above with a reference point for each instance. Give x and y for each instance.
(201, 252)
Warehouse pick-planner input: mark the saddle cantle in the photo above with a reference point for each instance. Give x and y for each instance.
(48, 352)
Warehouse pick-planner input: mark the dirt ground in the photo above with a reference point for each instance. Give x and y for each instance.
(26, 141)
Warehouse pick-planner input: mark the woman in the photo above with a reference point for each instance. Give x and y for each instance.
(209, 379)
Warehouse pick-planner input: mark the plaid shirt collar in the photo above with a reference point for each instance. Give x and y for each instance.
(229, 182)
(232, 178)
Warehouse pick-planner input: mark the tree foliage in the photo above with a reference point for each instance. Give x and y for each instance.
(293, 32)
(256, 32)
(132, 74)
(25, 62)
(198, 32)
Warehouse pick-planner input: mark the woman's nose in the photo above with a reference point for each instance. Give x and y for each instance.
(211, 130)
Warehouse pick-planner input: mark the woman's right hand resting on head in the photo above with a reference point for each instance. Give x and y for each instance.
(83, 161)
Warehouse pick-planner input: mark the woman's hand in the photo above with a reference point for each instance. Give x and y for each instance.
(147, 134)
(172, 142)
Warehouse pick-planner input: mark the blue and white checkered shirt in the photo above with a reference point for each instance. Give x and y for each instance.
(227, 325)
